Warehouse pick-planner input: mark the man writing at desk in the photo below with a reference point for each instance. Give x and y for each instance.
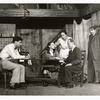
(8, 53)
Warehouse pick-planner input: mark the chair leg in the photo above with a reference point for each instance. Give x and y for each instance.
(58, 79)
(81, 82)
(58, 83)
(5, 79)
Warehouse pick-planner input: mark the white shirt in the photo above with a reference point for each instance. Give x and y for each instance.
(64, 50)
(73, 47)
(51, 52)
(9, 52)
(63, 44)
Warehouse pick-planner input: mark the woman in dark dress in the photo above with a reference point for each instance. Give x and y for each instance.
(51, 58)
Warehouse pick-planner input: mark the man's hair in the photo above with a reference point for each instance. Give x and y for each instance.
(71, 40)
(97, 28)
(17, 38)
(93, 27)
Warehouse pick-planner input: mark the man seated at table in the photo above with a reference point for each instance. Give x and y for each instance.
(72, 63)
(8, 55)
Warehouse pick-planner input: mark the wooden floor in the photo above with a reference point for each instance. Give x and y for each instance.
(37, 89)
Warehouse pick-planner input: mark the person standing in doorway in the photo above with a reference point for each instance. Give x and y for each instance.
(94, 55)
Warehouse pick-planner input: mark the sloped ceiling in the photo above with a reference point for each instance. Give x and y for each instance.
(80, 6)
(33, 6)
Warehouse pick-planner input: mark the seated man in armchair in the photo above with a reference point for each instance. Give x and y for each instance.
(72, 63)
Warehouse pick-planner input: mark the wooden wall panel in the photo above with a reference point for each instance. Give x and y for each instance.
(31, 42)
(8, 6)
(48, 35)
(39, 13)
(6, 31)
(95, 18)
(69, 29)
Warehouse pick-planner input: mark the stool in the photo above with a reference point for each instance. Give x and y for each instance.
(5, 71)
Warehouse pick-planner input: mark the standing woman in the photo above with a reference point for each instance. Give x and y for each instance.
(94, 55)
(63, 53)
(62, 42)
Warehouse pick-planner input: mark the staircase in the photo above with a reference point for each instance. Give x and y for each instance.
(53, 40)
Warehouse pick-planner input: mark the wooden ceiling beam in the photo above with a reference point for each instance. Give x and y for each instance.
(38, 13)
(91, 8)
(67, 13)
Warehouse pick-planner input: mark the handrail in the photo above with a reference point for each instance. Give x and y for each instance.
(53, 40)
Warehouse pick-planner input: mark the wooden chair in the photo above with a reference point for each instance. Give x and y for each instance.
(5, 72)
(78, 76)
(51, 67)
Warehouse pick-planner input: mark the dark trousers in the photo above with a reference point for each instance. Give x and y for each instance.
(65, 73)
(62, 74)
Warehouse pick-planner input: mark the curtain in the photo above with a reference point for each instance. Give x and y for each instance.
(81, 36)
(81, 32)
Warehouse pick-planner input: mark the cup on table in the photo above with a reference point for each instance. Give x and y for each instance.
(61, 60)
